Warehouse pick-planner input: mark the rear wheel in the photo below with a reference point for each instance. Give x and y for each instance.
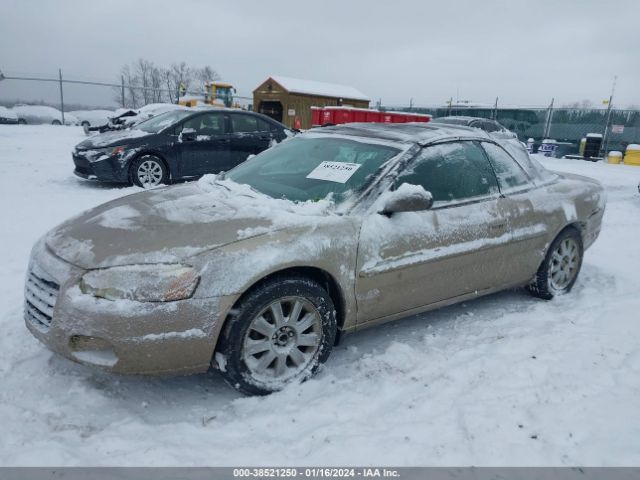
(85, 124)
(56, 122)
(278, 334)
(559, 271)
(148, 171)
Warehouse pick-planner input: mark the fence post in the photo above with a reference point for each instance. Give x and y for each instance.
(122, 90)
(61, 95)
(605, 140)
(547, 127)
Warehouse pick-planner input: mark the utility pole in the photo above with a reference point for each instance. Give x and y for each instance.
(495, 110)
(605, 140)
(61, 95)
(411, 104)
(122, 89)
(547, 127)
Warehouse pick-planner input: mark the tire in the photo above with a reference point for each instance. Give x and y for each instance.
(148, 171)
(56, 122)
(85, 124)
(559, 270)
(261, 354)
(22, 121)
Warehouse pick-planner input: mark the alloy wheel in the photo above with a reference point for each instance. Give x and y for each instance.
(149, 173)
(282, 340)
(564, 264)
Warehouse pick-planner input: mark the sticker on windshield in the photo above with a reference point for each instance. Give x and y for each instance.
(338, 172)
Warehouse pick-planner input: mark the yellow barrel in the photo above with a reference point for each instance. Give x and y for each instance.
(632, 155)
(614, 157)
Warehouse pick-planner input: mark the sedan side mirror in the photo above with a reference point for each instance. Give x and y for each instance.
(408, 198)
(188, 134)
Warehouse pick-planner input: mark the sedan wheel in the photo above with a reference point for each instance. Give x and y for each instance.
(561, 266)
(148, 172)
(282, 339)
(564, 264)
(278, 333)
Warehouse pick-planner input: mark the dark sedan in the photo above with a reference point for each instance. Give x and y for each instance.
(176, 145)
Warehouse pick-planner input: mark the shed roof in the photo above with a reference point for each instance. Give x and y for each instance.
(321, 89)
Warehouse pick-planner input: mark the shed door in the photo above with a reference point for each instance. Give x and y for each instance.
(271, 109)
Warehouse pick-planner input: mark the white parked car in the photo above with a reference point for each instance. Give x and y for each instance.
(92, 118)
(7, 116)
(39, 114)
(151, 110)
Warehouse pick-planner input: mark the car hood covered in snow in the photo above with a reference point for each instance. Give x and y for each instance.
(112, 139)
(173, 223)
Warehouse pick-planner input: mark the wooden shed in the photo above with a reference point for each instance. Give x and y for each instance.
(285, 99)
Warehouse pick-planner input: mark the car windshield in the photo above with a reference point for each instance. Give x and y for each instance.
(303, 169)
(162, 121)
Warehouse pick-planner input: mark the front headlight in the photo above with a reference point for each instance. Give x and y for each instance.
(98, 154)
(144, 283)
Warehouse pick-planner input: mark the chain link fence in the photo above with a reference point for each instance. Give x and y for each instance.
(122, 94)
(567, 126)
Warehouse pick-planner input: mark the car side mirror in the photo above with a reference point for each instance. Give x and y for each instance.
(188, 134)
(407, 198)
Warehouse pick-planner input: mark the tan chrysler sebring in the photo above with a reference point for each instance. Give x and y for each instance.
(258, 271)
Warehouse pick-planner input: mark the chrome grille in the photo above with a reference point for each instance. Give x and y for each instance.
(40, 294)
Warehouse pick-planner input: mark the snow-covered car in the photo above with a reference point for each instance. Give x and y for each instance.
(151, 110)
(7, 116)
(39, 114)
(258, 271)
(92, 118)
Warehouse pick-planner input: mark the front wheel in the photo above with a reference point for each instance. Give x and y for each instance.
(56, 122)
(559, 271)
(278, 334)
(148, 171)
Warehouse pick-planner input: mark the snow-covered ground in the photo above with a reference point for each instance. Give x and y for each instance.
(503, 380)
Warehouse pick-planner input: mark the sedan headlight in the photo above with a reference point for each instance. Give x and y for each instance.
(144, 283)
(97, 154)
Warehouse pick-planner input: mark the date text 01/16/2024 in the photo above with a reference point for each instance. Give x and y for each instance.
(315, 472)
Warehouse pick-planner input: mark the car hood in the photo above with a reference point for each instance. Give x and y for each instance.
(174, 223)
(112, 139)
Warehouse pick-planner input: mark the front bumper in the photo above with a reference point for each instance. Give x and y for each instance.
(120, 336)
(109, 169)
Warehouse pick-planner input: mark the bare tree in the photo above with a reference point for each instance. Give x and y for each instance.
(205, 74)
(145, 82)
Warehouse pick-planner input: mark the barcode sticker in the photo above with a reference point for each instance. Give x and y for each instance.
(338, 172)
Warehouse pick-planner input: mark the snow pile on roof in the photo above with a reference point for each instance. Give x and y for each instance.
(633, 147)
(311, 87)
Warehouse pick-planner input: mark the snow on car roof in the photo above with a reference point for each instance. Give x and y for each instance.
(418, 132)
(311, 87)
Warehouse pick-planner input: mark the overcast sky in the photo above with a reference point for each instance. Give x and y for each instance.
(524, 52)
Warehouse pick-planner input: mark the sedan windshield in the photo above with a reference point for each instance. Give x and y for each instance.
(162, 121)
(303, 169)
